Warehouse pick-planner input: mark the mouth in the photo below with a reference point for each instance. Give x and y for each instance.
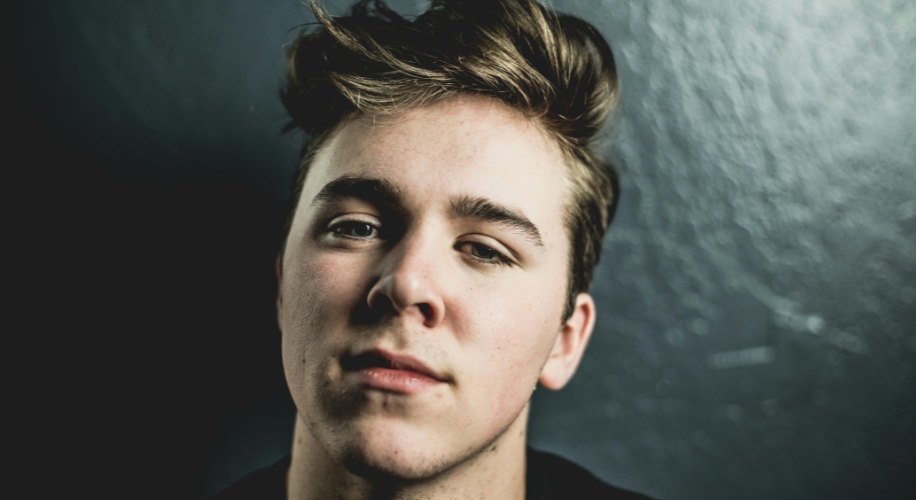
(390, 372)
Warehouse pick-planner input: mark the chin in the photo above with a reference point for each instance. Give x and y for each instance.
(396, 452)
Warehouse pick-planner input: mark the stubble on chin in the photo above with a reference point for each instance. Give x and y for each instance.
(394, 453)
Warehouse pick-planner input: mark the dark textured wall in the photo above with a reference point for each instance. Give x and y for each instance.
(758, 337)
(757, 294)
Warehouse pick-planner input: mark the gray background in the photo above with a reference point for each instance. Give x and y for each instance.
(757, 293)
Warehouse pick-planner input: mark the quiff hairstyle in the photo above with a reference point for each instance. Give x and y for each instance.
(553, 68)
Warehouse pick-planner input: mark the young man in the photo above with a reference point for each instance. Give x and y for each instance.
(449, 211)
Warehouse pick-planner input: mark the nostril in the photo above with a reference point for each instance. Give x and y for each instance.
(380, 302)
(401, 294)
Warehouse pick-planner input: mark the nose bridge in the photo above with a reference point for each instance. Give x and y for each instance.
(410, 276)
(410, 261)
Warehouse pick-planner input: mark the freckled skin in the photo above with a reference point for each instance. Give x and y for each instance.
(490, 329)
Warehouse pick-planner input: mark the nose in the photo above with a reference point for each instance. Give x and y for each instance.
(409, 282)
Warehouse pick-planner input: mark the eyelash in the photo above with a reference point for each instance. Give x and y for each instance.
(498, 259)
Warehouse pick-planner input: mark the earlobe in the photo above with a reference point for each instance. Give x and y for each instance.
(570, 344)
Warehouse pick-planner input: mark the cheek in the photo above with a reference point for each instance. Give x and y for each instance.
(511, 330)
(313, 283)
(318, 295)
(523, 302)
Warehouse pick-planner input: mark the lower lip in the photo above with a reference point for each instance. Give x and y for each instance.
(402, 381)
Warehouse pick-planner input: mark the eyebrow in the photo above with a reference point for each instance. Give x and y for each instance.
(489, 211)
(370, 189)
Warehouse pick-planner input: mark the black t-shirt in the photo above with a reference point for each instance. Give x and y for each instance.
(549, 477)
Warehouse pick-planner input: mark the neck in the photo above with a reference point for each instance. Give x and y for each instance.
(496, 471)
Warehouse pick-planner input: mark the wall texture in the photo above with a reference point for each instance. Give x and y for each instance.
(757, 294)
(759, 287)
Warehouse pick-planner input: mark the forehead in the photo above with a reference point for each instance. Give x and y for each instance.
(464, 146)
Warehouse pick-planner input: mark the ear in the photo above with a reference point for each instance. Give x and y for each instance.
(570, 344)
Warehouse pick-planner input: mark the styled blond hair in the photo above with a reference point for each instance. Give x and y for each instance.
(553, 68)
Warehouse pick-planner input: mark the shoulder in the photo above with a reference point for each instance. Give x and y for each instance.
(550, 477)
(268, 483)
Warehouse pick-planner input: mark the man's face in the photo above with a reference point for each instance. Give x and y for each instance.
(423, 284)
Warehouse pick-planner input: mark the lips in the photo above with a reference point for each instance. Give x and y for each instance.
(386, 371)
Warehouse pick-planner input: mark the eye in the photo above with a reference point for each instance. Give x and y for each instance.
(354, 229)
(485, 254)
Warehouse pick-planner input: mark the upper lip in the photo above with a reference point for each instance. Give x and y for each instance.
(385, 359)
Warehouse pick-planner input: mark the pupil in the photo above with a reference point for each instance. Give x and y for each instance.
(485, 252)
(360, 230)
